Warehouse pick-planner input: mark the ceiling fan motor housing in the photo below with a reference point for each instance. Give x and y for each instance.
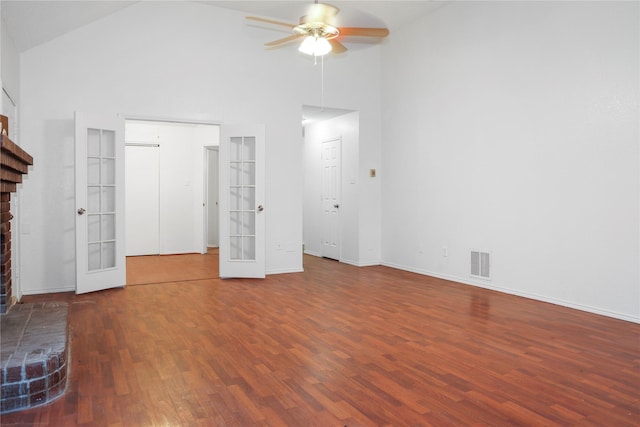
(320, 21)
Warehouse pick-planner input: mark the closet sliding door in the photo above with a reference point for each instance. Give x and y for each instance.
(142, 177)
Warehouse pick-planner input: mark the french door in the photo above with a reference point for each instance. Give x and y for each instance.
(100, 202)
(100, 210)
(241, 199)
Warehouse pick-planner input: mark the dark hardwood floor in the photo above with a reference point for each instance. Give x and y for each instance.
(339, 346)
(144, 270)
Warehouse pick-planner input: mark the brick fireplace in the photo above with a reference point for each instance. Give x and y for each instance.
(34, 341)
(14, 162)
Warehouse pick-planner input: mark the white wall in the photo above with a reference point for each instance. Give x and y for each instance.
(175, 60)
(515, 130)
(9, 81)
(10, 84)
(9, 64)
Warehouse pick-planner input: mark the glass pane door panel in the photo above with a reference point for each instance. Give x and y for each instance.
(108, 199)
(235, 248)
(108, 172)
(108, 227)
(93, 142)
(108, 144)
(249, 173)
(94, 228)
(249, 248)
(249, 149)
(235, 174)
(93, 199)
(235, 223)
(101, 199)
(108, 255)
(94, 256)
(235, 149)
(248, 223)
(93, 170)
(235, 198)
(249, 198)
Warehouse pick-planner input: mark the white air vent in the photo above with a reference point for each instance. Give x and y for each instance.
(481, 264)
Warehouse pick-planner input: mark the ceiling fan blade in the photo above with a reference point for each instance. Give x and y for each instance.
(364, 32)
(284, 40)
(270, 21)
(337, 47)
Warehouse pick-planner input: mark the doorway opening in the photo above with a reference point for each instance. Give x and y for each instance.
(169, 177)
(330, 157)
(212, 190)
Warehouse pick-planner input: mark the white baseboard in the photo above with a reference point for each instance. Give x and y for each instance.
(486, 285)
(47, 290)
(346, 261)
(313, 253)
(360, 263)
(285, 271)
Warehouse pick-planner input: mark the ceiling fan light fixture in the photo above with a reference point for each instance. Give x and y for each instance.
(316, 46)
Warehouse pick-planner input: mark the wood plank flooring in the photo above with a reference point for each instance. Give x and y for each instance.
(339, 346)
(143, 270)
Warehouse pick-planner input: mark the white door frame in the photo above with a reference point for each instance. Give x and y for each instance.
(209, 204)
(180, 121)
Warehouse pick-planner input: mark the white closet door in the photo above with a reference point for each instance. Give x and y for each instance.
(142, 176)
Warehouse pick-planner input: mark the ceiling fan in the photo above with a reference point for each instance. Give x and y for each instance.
(319, 30)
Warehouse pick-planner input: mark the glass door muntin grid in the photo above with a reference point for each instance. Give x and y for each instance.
(242, 199)
(101, 199)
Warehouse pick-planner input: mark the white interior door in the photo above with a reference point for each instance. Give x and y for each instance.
(242, 209)
(100, 216)
(331, 199)
(142, 176)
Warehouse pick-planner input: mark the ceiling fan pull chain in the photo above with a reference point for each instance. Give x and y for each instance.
(322, 82)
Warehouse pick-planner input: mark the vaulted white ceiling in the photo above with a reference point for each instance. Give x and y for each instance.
(30, 23)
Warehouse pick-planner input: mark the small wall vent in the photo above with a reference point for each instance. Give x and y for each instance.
(481, 264)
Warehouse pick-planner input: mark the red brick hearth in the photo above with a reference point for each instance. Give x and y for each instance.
(34, 355)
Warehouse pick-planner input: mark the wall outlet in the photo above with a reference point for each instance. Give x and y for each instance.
(445, 251)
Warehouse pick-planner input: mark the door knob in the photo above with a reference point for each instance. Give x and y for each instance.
(260, 208)
(336, 206)
(81, 211)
